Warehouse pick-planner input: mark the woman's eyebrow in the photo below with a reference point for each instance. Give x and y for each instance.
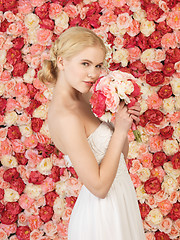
(86, 60)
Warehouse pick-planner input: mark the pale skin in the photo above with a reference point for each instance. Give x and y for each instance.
(71, 121)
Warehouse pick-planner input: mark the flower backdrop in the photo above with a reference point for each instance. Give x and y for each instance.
(38, 188)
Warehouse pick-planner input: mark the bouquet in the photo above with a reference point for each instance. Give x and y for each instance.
(109, 90)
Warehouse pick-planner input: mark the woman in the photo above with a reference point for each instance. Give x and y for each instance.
(106, 207)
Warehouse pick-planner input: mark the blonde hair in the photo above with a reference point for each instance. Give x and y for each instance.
(70, 43)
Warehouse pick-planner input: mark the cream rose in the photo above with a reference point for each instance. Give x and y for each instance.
(154, 216)
(26, 130)
(177, 103)
(168, 168)
(62, 20)
(175, 84)
(141, 194)
(115, 30)
(170, 147)
(31, 21)
(61, 189)
(143, 105)
(9, 161)
(169, 184)
(41, 112)
(147, 27)
(140, 15)
(176, 133)
(33, 191)
(32, 36)
(133, 149)
(48, 93)
(45, 129)
(2, 56)
(144, 174)
(2, 89)
(59, 206)
(121, 56)
(10, 118)
(29, 75)
(168, 105)
(44, 167)
(10, 195)
(148, 55)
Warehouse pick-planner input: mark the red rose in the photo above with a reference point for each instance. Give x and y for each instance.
(8, 218)
(4, 25)
(31, 90)
(142, 120)
(144, 210)
(22, 160)
(44, 149)
(114, 66)
(159, 158)
(168, 69)
(129, 42)
(3, 103)
(33, 105)
(47, 24)
(10, 5)
(36, 124)
(43, 11)
(175, 212)
(2, 207)
(171, 3)
(23, 233)
(20, 69)
(73, 172)
(55, 173)
(144, 3)
(74, 21)
(13, 207)
(166, 132)
(165, 91)
(172, 55)
(18, 43)
(125, 69)
(163, 28)
(36, 177)
(14, 56)
(46, 213)
(161, 236)
(62, 171)
(13, 132)
(153, 12)
(71, 201)
(50, 198)
(1, 193)
(123, 9)
(154, 40)
(85, 23)
(98, 103)
(154, 116)
(110, 38)
(93, 8)
(18, 185)
(155, 78)
(94, 20)
(137, 68)
(10, 174)
(152, 185)
(141, 41)
(176, 160)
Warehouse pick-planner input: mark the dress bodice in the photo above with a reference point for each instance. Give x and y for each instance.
(99, 141)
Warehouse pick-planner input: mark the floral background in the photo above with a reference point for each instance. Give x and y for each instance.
(38, 188)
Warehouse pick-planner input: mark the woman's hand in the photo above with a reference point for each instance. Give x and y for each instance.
(134, 112)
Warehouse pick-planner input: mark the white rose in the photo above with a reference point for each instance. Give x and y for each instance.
(10, 195)
(62, 20)
(175, 84)
(140, 15)
(147, 27)
(121, 56)
(2, 89)
(61, 188)
(10, 118)
(133, 149)
(168, 105)
(143, 105)
(29, 75)
(2, 56)
(26, 130)
(32, 36)
(170, 147)
(148, 55)
(177, 103)
(9, 161)
(44, 167)
(141, 194)
(168, 168)
(41, 112)
(154, 216)
(176, 133)
(106, 117)
(169, 184)
(31, 21)
(59, 206)
(33, 191)
(48, 93)
(45, 130)
(144, 174)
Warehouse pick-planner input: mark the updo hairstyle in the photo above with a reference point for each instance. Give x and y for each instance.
(70, 43)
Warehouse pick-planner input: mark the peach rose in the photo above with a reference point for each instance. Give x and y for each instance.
(71, 10)
(174, 233)
(151, 201)
(158, 172)
(118, 3)
(3, 133)
(107, 4)
(123, 20)
(165, 225)
(5, 147)
(134, 54)
(44, 36)
(67, 214)
(135, 5)
(134, 28)
(30, 142)
(135, 179)
(173, 19)
(154, 66)
(165, 207)
(136, 166)
(37, 3)
(24, 7)
(50, 228)
(155, 143)
(146, 160)
(152, 129)
(108, 17)
(22, 219)
(55, 10)
(154, 101)
(173, 197)
(48, 185)
(36, 234)
(34, 222)
(3, 235)
(160, 196)
(169, 41)
(17, 146)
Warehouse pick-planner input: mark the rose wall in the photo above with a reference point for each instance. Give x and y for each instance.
(38, 188)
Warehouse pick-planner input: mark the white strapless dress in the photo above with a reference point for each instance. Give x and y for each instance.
(117, 216)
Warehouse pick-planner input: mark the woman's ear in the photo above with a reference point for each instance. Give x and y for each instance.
(60, 63)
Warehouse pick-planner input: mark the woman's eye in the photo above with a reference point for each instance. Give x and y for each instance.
(85, 64)
(99, 66)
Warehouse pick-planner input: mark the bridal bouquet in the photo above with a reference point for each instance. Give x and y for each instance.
(109, 90)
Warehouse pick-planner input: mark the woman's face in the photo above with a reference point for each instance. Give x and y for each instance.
(83, 69)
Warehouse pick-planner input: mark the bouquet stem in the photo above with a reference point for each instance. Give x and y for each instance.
(136, 132)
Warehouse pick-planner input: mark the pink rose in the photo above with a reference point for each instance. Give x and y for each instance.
(165, 206)
(17, 146)
(47, 24)
(98, 103)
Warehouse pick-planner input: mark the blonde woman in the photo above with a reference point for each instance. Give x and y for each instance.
(106, 208)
